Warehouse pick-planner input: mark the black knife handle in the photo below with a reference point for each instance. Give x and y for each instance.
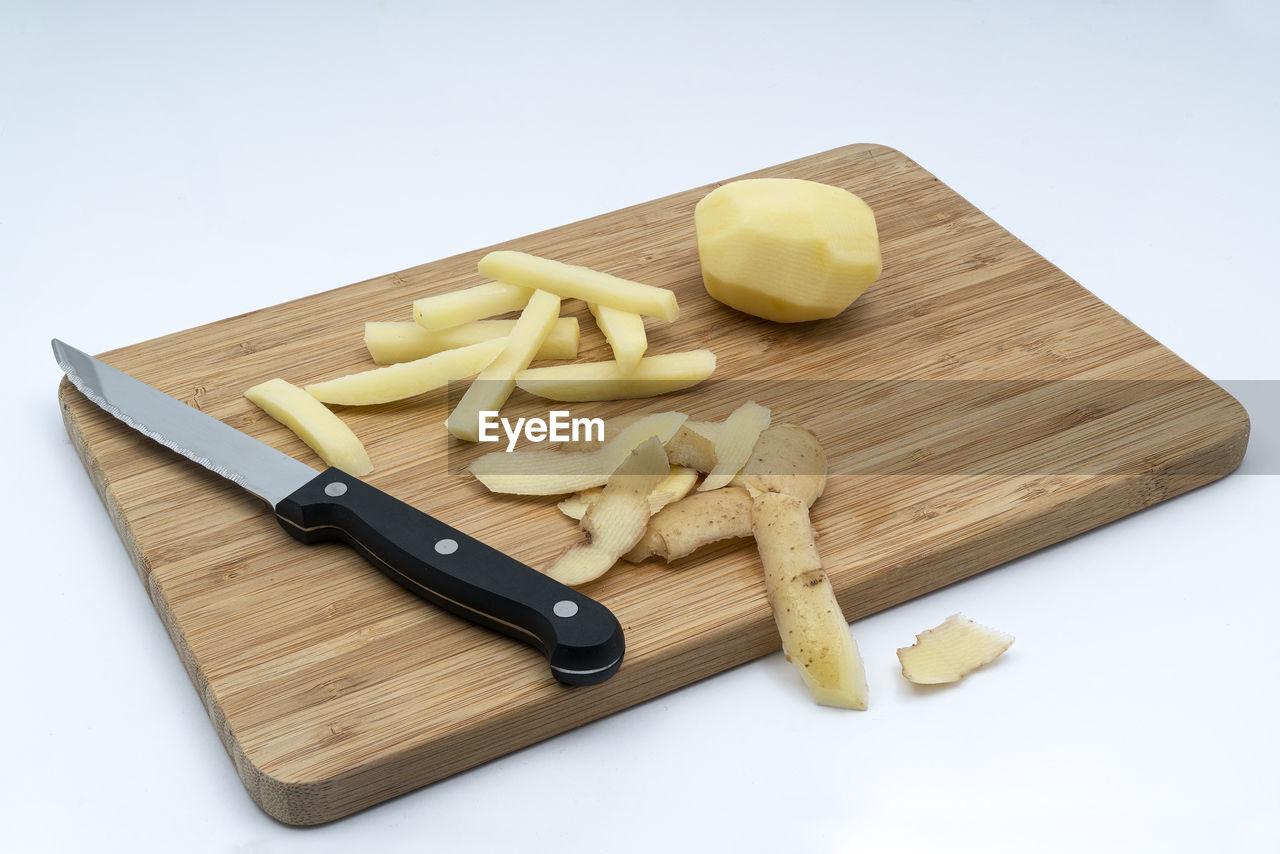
(581, 638)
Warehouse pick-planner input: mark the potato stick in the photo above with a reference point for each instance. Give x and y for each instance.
(624, 330)
(322, 430)
(455, 308)
(392, 342)
(490, 390)
(568, 281)
(652, 376)
(407, 379)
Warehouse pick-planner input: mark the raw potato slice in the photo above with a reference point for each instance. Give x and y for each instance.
(458, 307)
(815, 635)
(490, 390)
(677, 485)
(615, 522)
(787, 459)
(547, 471)
(567, 280)
(624, 330)
(392, 342)
(316, 425)
(396, 382)
(734, 441)
(694, 521)
(949, 652)
(652, 376)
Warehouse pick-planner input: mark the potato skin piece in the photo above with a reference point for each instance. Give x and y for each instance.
(617, 521)
(815, 635)
(697, 520)
(787, 458)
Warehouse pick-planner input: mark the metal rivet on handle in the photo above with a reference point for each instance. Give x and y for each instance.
(564, 608)
(446, 546)
(333, 490)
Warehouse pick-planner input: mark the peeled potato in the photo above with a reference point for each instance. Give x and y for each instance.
(786, 249)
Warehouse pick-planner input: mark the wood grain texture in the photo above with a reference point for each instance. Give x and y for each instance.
(976, 404)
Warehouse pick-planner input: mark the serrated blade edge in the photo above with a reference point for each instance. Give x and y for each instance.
(224, 450)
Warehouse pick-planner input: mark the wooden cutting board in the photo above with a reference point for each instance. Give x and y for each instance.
(976, 404)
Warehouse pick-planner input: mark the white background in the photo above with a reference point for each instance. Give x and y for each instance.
(164, 165)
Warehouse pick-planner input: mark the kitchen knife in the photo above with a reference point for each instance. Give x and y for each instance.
(581, 638)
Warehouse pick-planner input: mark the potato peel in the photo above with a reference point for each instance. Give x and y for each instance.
(699, 519)
(815, 635)
(615, 522)
(548, 471)
(734, 440)
(949, 652)
(675, 486)
(787, 459)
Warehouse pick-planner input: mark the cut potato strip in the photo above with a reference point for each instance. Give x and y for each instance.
(697, 520)
(313, 423)
(547, 471)
(392, 342)
(734, 441)
(624, 330)
(407, 379)
(458, 307)
(949, 652)
(653, 375)
(815, 635)
(787, 459)
(490, 390)
(678, 483)
(568, 280)
(615, 522)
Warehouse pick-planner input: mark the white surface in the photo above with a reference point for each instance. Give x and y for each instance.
(165, 165)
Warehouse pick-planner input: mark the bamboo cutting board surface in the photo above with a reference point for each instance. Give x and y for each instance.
(976, 404)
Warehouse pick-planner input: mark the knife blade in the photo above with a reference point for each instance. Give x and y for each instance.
(580, 637)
